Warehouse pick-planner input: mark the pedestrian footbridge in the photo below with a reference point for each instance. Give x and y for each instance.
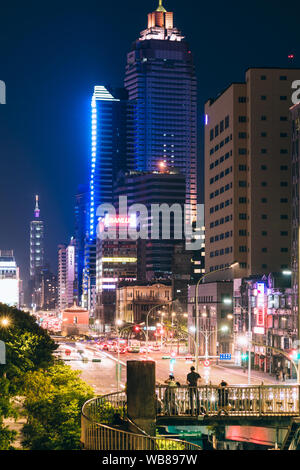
(235, 401)
(263, 405)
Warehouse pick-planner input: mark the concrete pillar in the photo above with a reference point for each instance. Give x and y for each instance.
(141, 399)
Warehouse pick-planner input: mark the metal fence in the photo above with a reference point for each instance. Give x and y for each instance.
(264, 400)
(96, 435)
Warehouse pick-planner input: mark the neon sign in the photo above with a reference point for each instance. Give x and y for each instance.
(260, 303)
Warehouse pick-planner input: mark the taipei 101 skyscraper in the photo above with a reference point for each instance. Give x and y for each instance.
(161, 83)
(36, 254)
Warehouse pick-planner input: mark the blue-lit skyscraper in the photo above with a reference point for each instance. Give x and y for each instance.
(108, 157)
(161, 83)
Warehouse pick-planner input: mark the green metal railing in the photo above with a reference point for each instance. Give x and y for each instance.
(210, 400)
(97, 432)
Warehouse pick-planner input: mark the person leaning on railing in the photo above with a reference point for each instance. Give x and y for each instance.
(170, 395)
(192, 381)
(223, 401)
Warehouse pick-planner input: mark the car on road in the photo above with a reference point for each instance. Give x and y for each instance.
(133, 349)
(122, 349)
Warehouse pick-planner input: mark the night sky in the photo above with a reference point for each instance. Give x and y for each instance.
(52, 55)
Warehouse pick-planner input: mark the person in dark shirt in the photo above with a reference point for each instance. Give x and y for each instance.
(192, 380)
(223, 397)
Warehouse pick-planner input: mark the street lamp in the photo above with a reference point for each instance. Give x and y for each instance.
(147, 322)
(5, 322)
(196, 307)
(119, 323)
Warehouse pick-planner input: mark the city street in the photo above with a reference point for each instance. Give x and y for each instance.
(102, 375)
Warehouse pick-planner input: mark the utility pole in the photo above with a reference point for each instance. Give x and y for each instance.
(298, 310)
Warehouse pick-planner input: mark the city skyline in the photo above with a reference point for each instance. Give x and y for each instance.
(61, 91)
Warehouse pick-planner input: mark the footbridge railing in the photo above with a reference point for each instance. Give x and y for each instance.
(99, 433)
(210, 400)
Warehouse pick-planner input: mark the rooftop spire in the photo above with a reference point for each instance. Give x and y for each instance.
(160, 7)
(37, 209)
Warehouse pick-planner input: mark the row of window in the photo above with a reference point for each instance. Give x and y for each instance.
(220, 145)
(221, 190)
(221, 252)
(221, 221)
(219, 128)
(282, 97)
(243, 119)
(243, 216)
(281, 77)
(220, 206)
(222, 236)
(220, 160)
(221, 175)
(222, 266)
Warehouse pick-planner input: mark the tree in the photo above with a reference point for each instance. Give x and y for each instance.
(6, 410)
(54, 398)
(28, 346)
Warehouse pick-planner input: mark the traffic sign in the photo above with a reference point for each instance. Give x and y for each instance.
(225, 357)
(206, 363)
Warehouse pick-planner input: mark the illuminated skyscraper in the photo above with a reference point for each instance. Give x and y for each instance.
(36, 242)
(161, 84)
(36, 256)
(108, 157)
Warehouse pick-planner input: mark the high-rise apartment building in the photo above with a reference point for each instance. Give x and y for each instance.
(67, 275)
(161, 83)
(36, 256)
(49, 290)
(62, 278)
(248, 174)
(295, 226)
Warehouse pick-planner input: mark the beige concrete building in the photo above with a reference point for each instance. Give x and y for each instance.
(215, 317)
(248, 175)
(134, 302)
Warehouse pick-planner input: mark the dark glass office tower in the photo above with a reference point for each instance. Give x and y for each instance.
(161, 84)
(155, 255)
(81, 224)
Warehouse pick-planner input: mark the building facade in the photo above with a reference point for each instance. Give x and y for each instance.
(67, 282)
(49, 290)
(81, 224)
(135, 301)
(295, 154)
(268, 300)
(75, 321)
(161, 83)
(159, 191)
(215, 317)
(248, 175)
(9, 279)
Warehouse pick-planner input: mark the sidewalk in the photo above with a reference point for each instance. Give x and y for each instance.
(258, 375)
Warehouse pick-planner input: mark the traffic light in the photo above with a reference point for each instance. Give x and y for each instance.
(136, 328)
(244, 356)
(294, 355)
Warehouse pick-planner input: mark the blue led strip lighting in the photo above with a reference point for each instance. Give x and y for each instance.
(94, 125)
